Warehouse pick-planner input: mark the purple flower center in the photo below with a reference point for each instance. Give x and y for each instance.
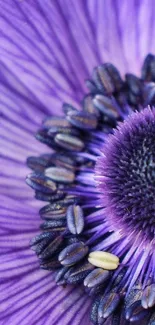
(100, 188)
(125, 174)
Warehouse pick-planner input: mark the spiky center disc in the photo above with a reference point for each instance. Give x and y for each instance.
(126, 174)
(101, 238)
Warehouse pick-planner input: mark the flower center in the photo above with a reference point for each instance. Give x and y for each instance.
(98, 226)
(126, 174)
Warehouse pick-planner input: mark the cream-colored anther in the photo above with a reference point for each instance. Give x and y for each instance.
(104, 260)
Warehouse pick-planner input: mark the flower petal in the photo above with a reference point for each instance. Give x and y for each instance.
(37, 57)
(44, 59)
(37, 300)
(124, 31)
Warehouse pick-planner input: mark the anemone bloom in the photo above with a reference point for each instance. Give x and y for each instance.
(94, 166)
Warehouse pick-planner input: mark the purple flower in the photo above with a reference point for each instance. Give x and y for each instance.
(98, 183)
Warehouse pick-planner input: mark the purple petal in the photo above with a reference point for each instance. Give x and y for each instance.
(38, 60)
(37, 300)
(46, 59)
(124, 31)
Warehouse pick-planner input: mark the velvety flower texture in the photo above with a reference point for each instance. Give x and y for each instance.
(48, 49)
